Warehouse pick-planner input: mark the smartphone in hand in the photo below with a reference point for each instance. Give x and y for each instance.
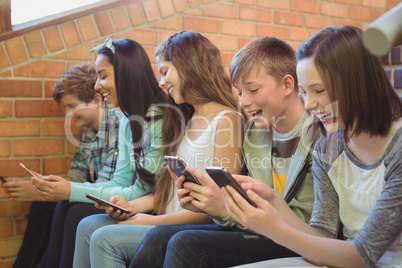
(28, 170)
(222, 178)
(178, 166)
(107, 203)
(3, 180)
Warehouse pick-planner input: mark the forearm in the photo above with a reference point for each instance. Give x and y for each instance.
(143, 204)
(183, 217)
(318, 249)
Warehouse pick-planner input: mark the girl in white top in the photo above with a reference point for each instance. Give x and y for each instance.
(357, 164)
(201, 124)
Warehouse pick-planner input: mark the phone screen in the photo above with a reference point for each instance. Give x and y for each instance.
(178, 166)
(99, 200)
(222, 178)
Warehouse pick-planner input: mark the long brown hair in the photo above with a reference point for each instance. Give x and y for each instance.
(355, 78)
(203, 79)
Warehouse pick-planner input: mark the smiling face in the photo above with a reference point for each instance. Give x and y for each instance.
(105, 84)
(316, 97)
(170, 80)
(261, 96)
(81, 113)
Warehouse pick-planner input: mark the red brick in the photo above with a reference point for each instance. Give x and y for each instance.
(172, 24)
(75, 63)
(20, 226)
(288, 18)
(151, 53)
(227, 58)
(238, 28)
(104, 23)
(53, 39)
(6, 108)
(49, 88)
(166, 8)
(56, 165)
(348, 22)
(3, 58)
(15, 128)
(10, 208)
(224, 43)
(6, 228)
(268, 30)
(317, 22)
(195, 12)
(87, 28)
(144, 37)
(150, 10)
(35, 44)
(375, 3)
(70, 34)
(243, 42)
(6, 73)
(20, 88)
(194, 3)
(180, 5)
(334, 10)
(350, 2)
(135, 14)
(4, 148)
(38, 108)
(6, 264)
(38, 147)
(300, 34)
(78, 53)
(163, 35)
(41, 69)
(120, 18)
(71, 148)
(11, 168)
(56, 127)
(207, 1)
(16, 50)
(3, 194)
(200, 25)
(245, 2)
(273, 4)
(255, 14)
(362, 14)
(220, 11)
(10, 247)
(392, 3)
(305, 6)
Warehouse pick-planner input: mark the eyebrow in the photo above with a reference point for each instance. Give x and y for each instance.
(101, 70)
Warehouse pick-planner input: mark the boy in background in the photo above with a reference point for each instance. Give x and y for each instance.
(95, 160)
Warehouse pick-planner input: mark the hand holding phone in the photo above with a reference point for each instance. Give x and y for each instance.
(222, 178)
(28, 170)
(178, 166)
(99, 200)
(3, 180)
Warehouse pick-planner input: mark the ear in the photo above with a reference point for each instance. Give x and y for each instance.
(98, 98)
(288, 84)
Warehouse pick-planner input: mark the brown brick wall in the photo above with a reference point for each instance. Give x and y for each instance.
(31, 129)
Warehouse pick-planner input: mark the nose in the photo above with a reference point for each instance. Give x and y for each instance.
(244, 100)
(98, 85)
(162, 83)
(310, 103)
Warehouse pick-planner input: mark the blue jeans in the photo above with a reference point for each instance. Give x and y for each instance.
(204, 246)
(101, 242)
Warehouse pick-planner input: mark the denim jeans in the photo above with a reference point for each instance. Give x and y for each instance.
(103, 243)
(205, 246)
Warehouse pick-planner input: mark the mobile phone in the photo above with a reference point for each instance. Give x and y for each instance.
(222, 178)
(3, 180)
(99, 200)
(178, 166)
(28, 170)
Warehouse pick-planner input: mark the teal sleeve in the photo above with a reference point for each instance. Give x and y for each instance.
(152, 162)
(123, 175)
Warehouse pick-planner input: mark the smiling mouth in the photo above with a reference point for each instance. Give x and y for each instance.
(170, 91)
(255, 113)
(323, 116)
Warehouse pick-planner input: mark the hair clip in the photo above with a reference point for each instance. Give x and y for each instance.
(108, 43)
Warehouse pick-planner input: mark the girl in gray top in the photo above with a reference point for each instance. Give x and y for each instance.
(357, 162)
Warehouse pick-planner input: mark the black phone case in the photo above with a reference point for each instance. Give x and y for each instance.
(222, 178)
(179, 168)
(97, 199)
